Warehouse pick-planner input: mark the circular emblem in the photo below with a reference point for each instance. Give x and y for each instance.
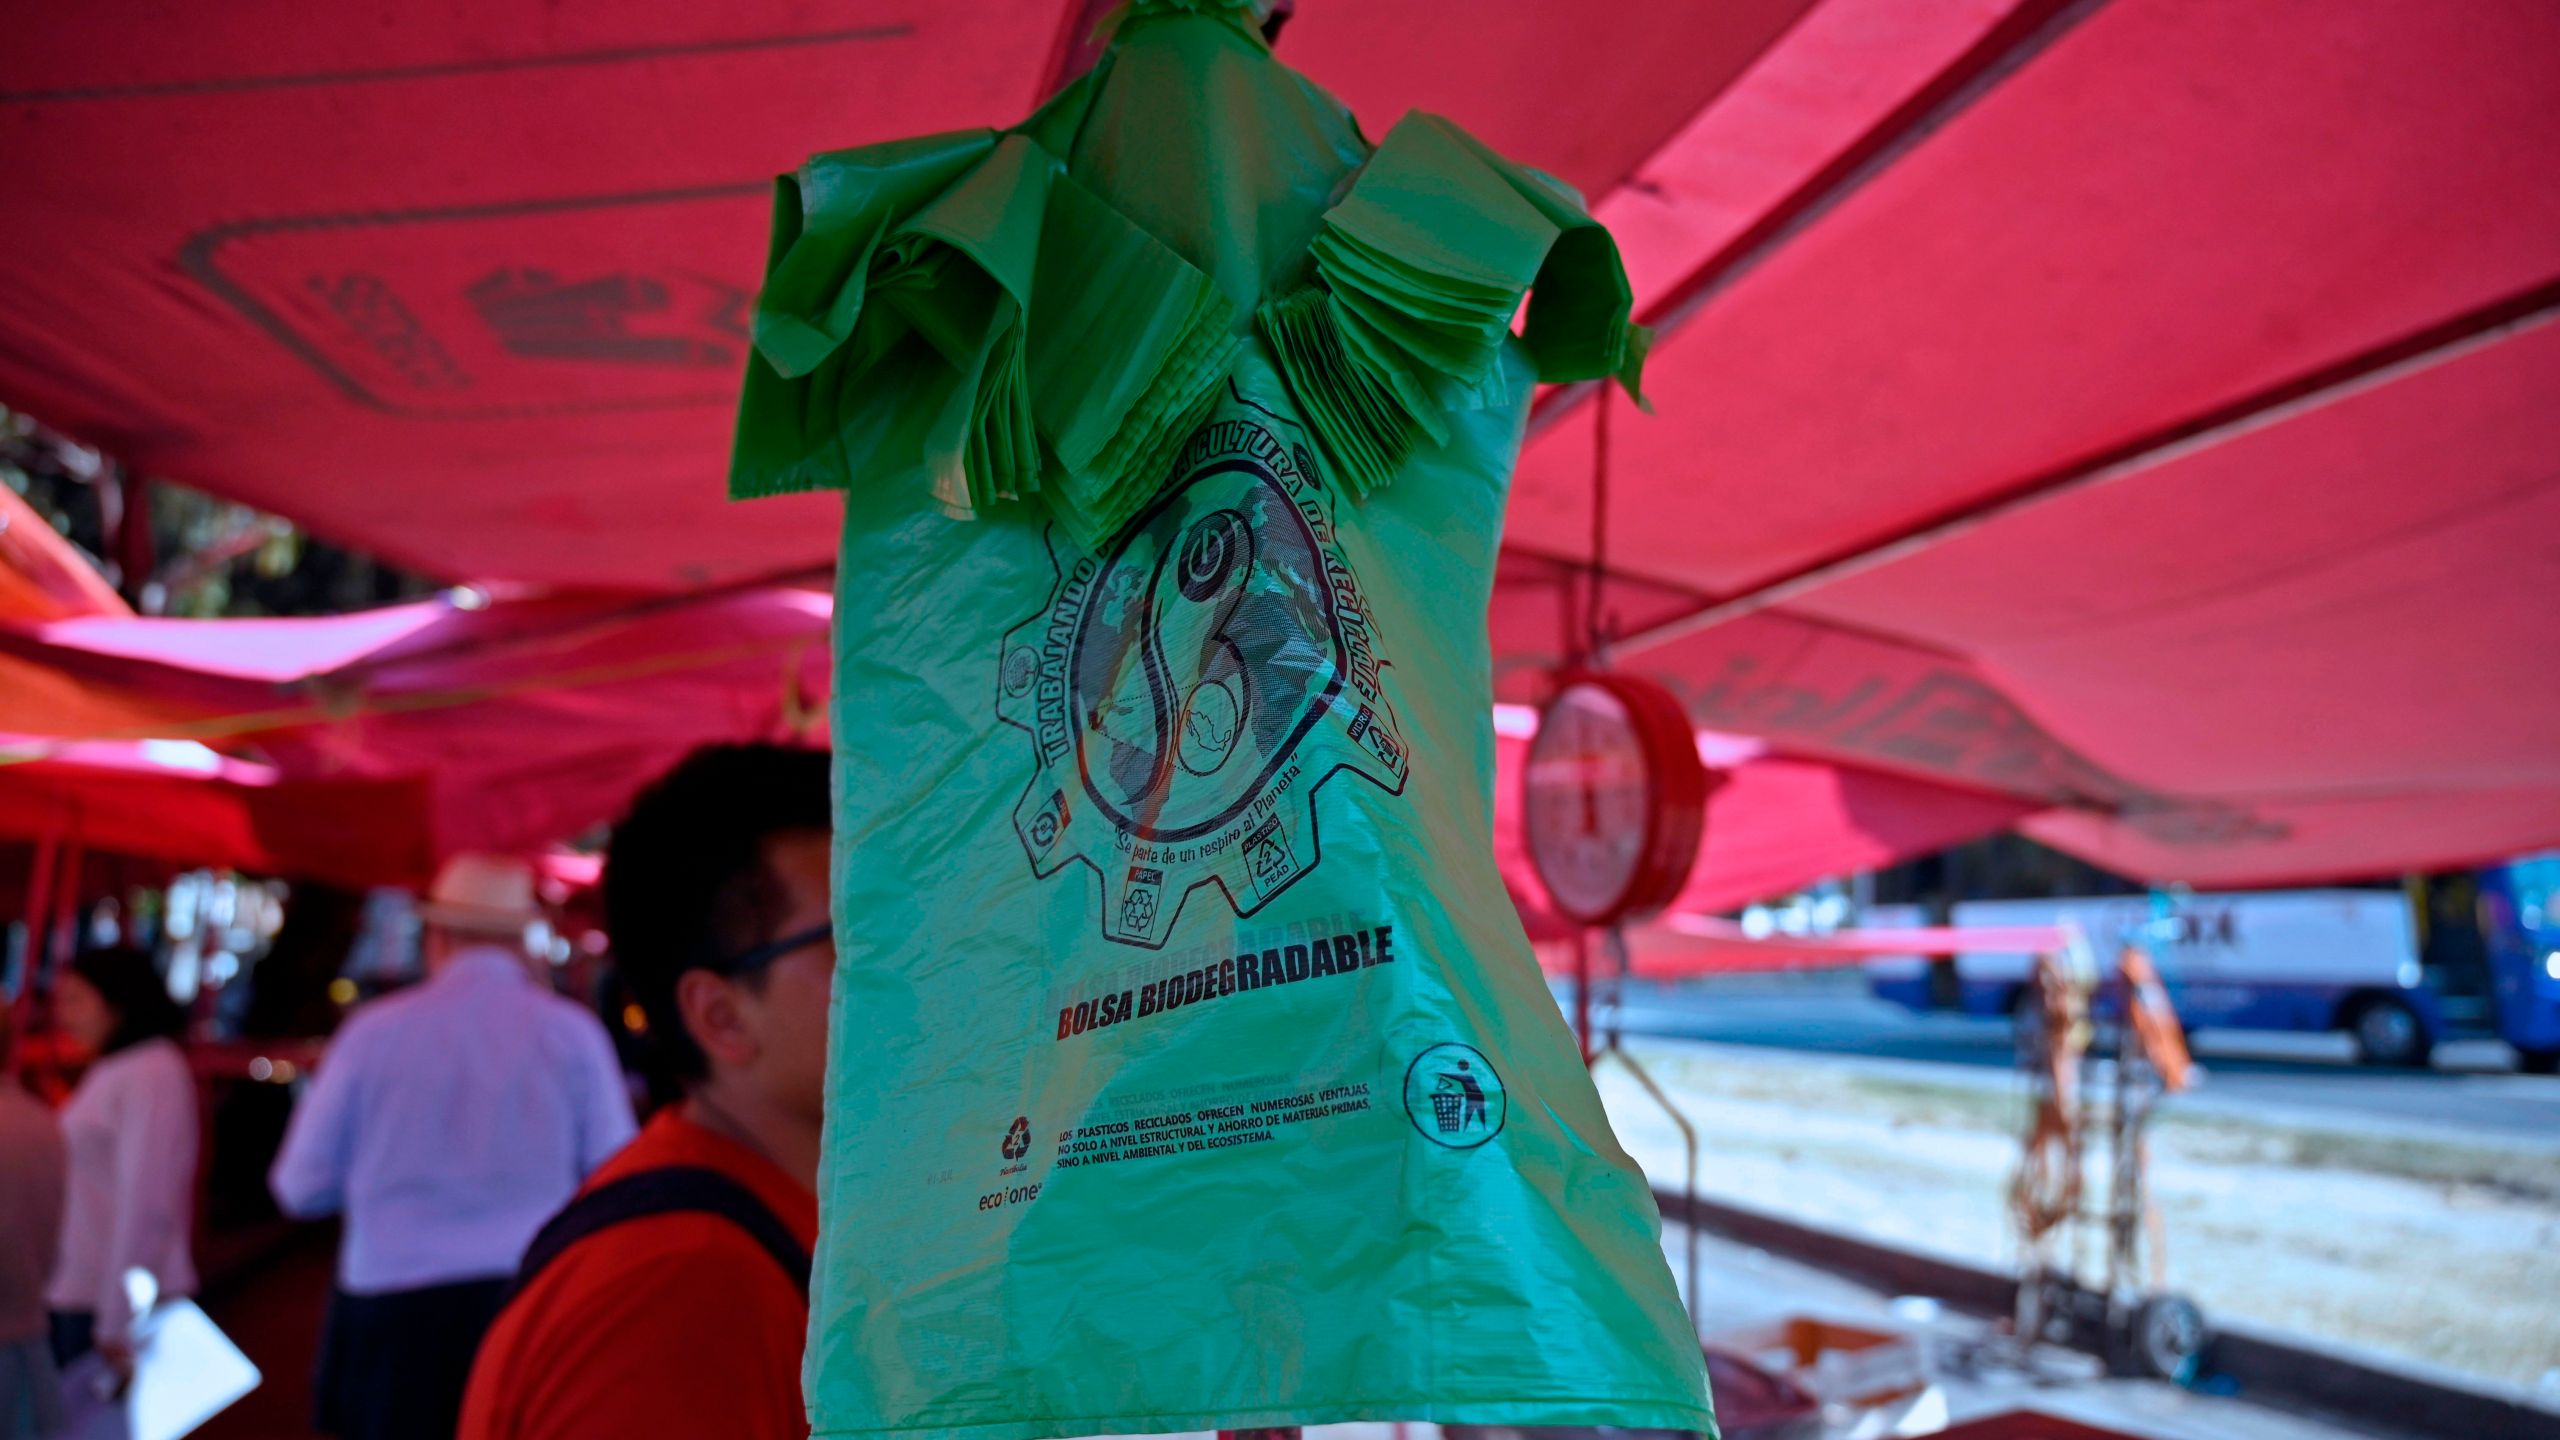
(1017, 1141)
(1614, 798)
(1214, 634)
(1193, 685)
(1453, 1096)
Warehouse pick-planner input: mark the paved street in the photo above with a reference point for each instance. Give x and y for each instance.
(2472, 1092)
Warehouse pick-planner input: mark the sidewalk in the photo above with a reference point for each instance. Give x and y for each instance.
(2440, 1251)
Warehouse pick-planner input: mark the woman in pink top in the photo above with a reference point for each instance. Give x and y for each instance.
(130, 1130)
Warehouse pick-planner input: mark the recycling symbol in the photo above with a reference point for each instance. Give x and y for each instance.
(1017, 1141)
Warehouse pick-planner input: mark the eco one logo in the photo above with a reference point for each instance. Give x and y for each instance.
(1190, 690)
(1453, 1096)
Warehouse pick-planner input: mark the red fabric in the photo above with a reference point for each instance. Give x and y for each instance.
(503, 254)
(669, 1325)
(2306, 651)
(1586, 92)
(44, 576)
(181, 804)
(38, 698)
(2175, 204)
(524, 722)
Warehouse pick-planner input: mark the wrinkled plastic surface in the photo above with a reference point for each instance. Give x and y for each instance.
(1189, 1066)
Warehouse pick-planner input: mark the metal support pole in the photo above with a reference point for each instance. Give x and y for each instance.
(1689, 1153)
(131, 540)
(1582, 993)
(67, 897)
(39, 930)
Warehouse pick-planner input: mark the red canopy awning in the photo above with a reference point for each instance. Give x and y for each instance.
(180, 803)
(467, 288)
(523, 721)
(2163, 432)
(2132, 410)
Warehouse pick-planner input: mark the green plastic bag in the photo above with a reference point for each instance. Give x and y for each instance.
(1189, 1068)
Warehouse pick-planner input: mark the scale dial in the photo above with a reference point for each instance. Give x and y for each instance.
(1615, 798)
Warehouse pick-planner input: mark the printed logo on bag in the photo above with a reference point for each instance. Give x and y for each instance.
(1454, 1097)
(1196, 691)
(1017, 1141)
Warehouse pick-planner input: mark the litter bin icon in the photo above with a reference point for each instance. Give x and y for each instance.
(1444, 1110)
(1457, 1101)
(1453, 1097)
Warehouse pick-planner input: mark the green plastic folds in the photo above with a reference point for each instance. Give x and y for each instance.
(1189, 1067)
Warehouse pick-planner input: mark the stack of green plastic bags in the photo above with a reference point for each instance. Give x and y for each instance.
(1418, 273)
(1188, 1067)
(964, 319)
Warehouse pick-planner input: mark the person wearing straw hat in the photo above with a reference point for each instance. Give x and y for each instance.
(446, 1123)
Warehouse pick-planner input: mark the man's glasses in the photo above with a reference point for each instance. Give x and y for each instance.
(751, 961)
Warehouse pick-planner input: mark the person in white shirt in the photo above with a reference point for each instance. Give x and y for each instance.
(129, 1133)
(446, 1123)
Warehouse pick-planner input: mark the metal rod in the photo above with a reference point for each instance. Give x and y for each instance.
(39, 921)
(67, 890)
(1689, 1152)
(1596, 621)
(1582, 991)
(131, 540)
(1623, 965)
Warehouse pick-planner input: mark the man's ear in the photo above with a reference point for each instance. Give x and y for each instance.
(709, 1005)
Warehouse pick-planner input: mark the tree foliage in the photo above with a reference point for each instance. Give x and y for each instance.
(211, 557)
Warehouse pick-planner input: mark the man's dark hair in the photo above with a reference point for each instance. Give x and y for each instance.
(686, 884)
(135, 993)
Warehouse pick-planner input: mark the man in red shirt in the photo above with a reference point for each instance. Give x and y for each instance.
(671, 1298)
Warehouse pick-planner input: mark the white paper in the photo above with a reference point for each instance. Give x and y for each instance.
(185, 1372)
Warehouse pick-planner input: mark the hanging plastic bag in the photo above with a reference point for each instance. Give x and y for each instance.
(1189, 1067)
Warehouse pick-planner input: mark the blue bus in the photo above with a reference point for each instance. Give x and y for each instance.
(2453, 957)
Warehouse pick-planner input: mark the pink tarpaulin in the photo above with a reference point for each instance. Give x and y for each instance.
(2159, 428)
(2134, 412)
(525, 721)
(181, 803)
(498, 258)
